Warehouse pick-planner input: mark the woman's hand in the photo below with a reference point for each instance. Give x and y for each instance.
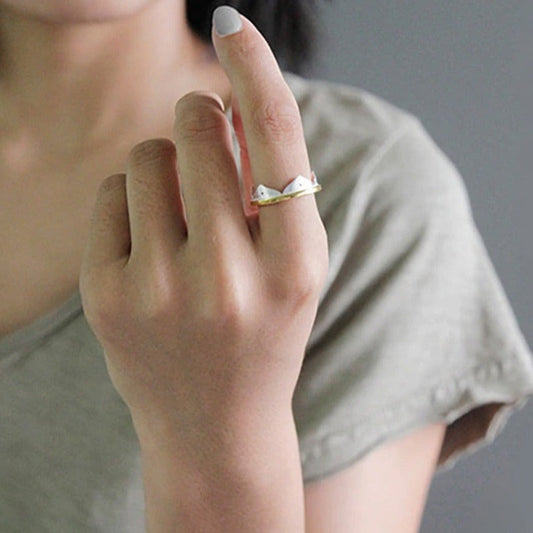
(204, 309)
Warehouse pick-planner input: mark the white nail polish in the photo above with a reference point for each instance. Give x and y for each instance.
(226, 20)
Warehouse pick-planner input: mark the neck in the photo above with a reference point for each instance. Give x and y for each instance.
(73, 86)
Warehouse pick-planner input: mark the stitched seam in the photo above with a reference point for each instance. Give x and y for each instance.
(453, 388)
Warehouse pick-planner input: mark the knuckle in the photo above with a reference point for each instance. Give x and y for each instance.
(198, 118)
(196, 98)
(308, 264)
(222, 311)
(112, 183)
(150, 150)
(159, 300)
(101, 305)
(200, 127)
(298, 283)
(304, 284)
(223, 316)
(109, 192)
(278, 121)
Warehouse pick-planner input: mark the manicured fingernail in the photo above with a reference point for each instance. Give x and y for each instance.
(227, 20)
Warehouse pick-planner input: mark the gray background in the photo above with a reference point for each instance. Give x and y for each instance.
(465, 69)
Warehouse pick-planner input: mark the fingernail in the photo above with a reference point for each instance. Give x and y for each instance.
(227, 20)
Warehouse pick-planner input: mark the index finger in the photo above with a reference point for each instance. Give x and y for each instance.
(272, 127)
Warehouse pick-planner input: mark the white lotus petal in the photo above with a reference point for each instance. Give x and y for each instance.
(299, 183)
(263, 193)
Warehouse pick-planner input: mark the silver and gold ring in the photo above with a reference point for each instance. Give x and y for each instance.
(299, 186)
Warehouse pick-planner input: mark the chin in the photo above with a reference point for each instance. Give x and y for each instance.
(72, 11)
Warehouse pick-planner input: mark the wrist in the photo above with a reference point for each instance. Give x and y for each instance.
(241, 483)
(239, 444)
(167, 432)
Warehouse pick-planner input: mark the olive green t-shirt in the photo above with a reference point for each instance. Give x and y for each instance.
(413, 328)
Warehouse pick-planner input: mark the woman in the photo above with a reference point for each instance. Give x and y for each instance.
(237, 366)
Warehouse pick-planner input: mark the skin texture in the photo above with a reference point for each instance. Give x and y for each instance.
(205, 293)
(203, 320)
(107, 123)
(77, 11)
(61, 137)
(385, 490)
(84, 121)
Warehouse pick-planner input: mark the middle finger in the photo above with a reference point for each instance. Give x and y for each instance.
(207, 169)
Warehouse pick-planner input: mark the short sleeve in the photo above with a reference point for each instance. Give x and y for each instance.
(413, 325)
